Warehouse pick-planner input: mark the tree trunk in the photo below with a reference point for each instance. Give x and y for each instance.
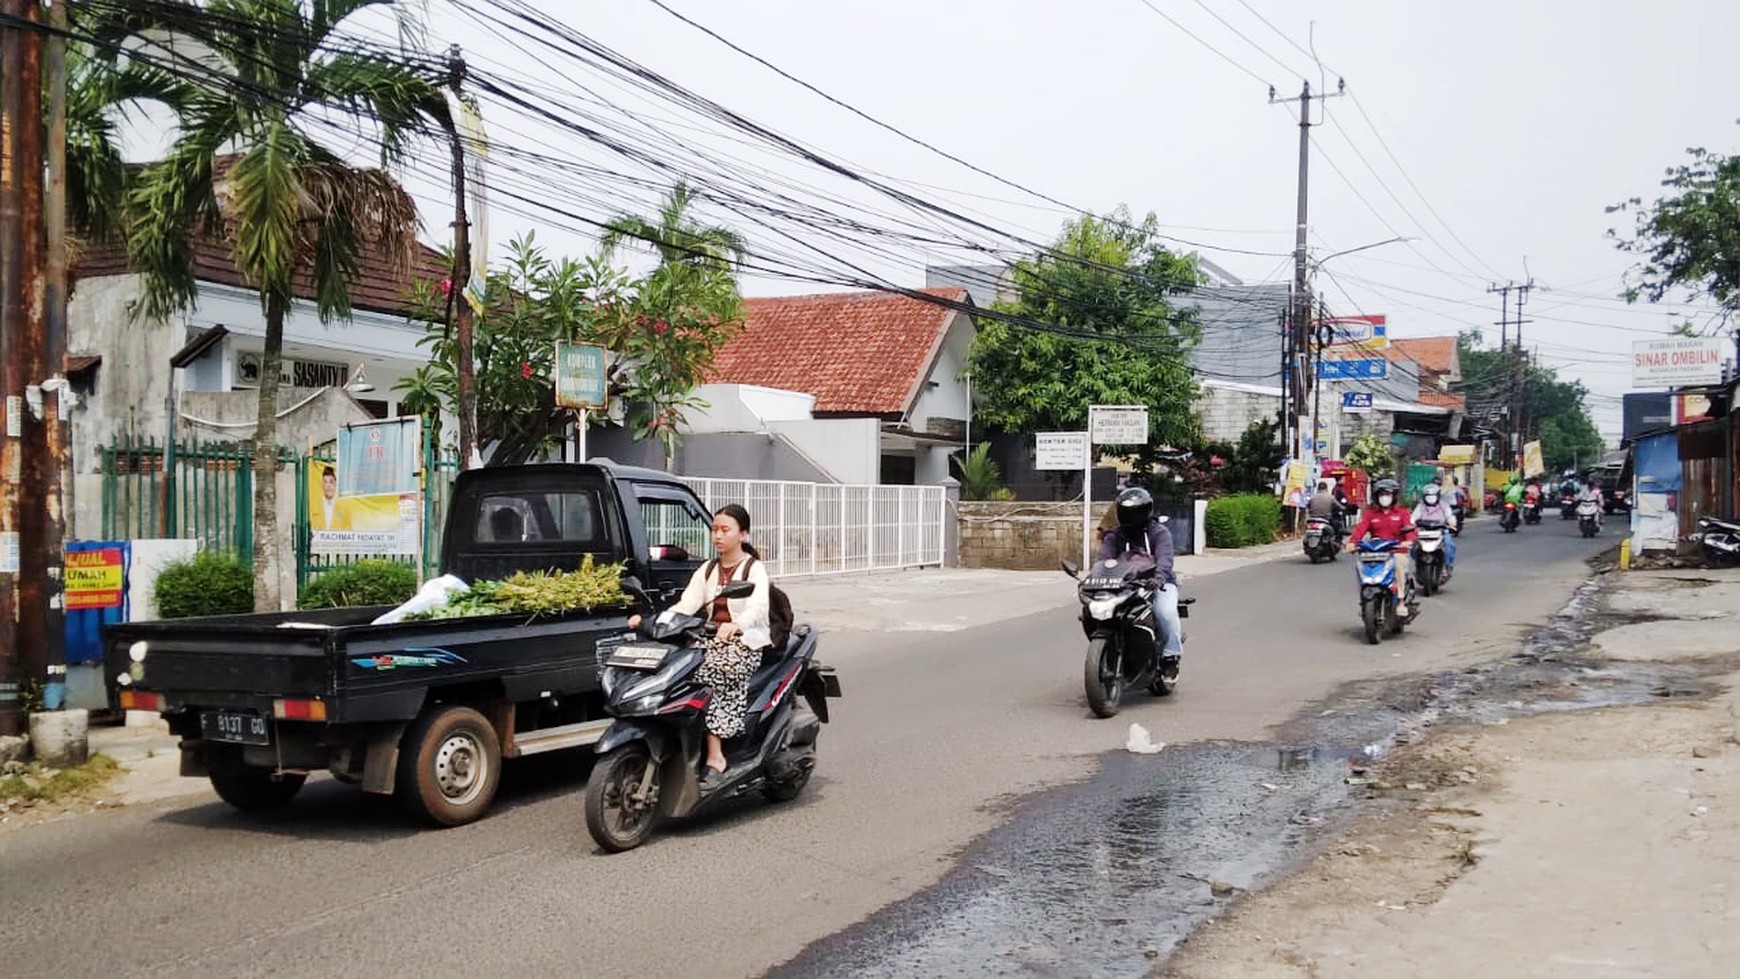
(266, 544)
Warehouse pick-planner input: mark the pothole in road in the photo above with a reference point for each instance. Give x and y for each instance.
(1107, 876)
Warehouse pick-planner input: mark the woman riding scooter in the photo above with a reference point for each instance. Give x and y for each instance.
(743, 629)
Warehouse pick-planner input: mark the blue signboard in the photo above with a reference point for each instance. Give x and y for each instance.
(1356, 400)
(1365, 369)
(376, 458)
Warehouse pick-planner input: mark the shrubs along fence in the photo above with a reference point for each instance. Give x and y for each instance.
(209, 583)
(1243, 521)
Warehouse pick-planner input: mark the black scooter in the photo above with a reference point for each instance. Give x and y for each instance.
(1117, 614)
(649, 762)
(1719, 540)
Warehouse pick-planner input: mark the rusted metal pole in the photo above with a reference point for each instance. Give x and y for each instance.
(12, 373)
(57, 406)
(465, 369)
(33, 590)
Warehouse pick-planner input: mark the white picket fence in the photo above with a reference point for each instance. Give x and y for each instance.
(828, 528)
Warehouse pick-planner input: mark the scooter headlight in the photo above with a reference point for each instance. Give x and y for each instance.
(1103, 608)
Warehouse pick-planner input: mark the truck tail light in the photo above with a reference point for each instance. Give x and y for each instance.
(142, 700)
(299, 710)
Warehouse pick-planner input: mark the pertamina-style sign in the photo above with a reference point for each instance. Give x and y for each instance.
(1676, 361)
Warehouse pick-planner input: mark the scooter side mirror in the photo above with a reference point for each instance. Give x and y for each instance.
(1069, 568)
(738, 589)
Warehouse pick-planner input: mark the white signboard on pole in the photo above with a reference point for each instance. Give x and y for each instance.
(1107, 425)
(1118, 424)
(1676, 362)
(1065, 451)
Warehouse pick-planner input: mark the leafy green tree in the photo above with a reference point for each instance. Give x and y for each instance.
(660, 334)
(1689, 238)
(246, 166)
(1555, 410)
(1371, 453)
(1105, 291)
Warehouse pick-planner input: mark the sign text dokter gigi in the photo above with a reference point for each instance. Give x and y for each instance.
(1676, 362)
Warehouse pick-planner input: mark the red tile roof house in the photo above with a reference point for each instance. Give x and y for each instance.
(1440, 364)
(868, 355)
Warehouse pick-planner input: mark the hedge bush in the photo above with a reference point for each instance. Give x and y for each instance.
(1242, 521)
(205, 584)
(371, 582)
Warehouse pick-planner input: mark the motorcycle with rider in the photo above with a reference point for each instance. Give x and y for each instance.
(1386, 593)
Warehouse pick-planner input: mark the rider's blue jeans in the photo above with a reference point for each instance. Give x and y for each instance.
(1166, 618)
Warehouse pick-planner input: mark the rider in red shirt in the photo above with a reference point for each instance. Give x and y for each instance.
(1388, 521)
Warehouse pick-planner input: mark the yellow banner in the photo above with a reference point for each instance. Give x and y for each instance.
(94, 578)
(1456, 455)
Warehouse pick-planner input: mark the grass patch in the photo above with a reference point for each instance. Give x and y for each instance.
(35, 785)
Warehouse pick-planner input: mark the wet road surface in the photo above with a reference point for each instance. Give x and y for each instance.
(938, 738)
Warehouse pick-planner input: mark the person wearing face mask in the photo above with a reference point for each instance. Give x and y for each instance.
(1387, 521)
(1433, 509)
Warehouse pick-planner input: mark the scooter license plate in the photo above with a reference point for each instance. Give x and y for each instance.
(638, 656)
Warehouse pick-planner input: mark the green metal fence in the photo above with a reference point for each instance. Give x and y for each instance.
(198, 490)
(205, 491)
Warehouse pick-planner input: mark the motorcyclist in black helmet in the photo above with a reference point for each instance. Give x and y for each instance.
(1139, 529)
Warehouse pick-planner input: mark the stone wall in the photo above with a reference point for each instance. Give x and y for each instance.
(1019, 536)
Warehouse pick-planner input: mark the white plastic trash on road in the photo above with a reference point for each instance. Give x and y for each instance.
(1141, 743)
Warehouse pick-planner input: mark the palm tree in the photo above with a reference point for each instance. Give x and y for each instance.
(246, 166)
(677, 238)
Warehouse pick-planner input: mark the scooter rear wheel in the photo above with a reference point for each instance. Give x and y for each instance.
(616, 821)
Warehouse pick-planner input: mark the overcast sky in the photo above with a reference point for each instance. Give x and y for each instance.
(1514, 125)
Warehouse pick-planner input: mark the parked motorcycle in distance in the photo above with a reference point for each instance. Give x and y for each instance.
(1508, 519)
(1589, 518)
(1322, 539)
(1429, 564)
(1377, 591)
(1719, 540)
(1117, 615)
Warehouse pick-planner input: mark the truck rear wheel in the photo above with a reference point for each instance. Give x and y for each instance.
(255, 789)
(449, 766)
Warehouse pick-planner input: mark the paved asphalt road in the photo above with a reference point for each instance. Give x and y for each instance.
(937, 737)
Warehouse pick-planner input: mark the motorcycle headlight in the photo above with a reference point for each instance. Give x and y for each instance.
(1103, 608)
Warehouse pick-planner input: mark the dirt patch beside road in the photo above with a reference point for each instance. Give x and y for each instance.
(1577, 844)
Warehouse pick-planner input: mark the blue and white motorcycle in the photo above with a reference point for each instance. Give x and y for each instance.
(1376, 569)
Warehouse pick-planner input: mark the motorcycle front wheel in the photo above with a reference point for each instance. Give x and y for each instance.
(1103, 677)
(615, 817)
(1372, 614)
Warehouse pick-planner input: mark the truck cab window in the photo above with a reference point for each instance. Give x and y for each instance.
(676, 523)
(568, 517)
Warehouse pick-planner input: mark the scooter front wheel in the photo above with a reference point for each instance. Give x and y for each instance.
(1371, 613)
(1103, 677)
(618, 814)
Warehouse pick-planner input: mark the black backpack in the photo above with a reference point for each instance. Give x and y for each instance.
(779, 619)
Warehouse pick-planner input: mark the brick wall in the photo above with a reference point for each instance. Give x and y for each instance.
(1019, 536)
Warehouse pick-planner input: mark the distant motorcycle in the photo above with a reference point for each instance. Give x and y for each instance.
(1377, 591)
(1508, 519)
(1429, 556)
(1322, 539)
(1567, 506)
(1589, 518)
(1719, 540)
(1532, 511)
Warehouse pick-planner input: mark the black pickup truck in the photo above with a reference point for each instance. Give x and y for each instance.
(426, 710)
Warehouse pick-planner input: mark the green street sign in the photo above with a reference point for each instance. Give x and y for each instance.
(580, 376)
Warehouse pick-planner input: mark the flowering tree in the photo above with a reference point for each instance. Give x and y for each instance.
(659, 333)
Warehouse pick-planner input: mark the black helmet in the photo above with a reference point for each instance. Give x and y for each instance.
(1135, 506)
(1389, 486)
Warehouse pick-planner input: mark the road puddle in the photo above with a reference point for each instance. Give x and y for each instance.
(1107, 876)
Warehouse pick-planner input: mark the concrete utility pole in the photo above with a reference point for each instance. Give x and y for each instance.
(14, 124)
(34, 565)
(1503, 291)
(1301, 378)
(462, 274)
(1522, 374)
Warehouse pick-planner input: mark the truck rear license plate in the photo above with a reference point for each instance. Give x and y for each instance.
(638, 656)
(234, 727)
